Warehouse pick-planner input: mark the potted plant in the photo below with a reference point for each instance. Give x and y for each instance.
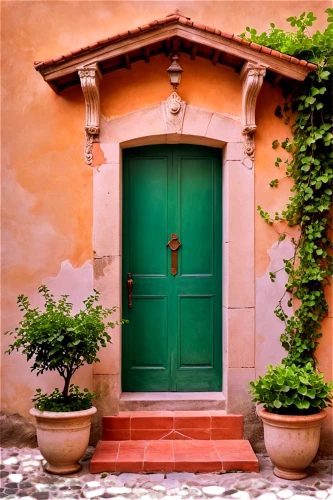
(56, 340)
(293, 398)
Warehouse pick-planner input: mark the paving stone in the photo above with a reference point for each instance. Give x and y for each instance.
(118, 490)
(322, 486)
(45, 479)
(274, 489)
(12, 486)
(321, 494)
(170, 483)
(72, 482)
(267, 496)
(139, 492)
(25, 484)
(243, 485)
(4, 473)
(181, 476)
(285, 494)
(93, 493)
(173, 491)
(158, 487)
(46, 487)
(195, 492)
(229, 492)
(41, 495)
(89, 477)
(305, 488)
(156, 478)
(261, 484)
(213, 490)
(129, 476)
(254, 493)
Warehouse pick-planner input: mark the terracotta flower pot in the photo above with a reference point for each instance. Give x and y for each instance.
(63, 438)
(291, 442)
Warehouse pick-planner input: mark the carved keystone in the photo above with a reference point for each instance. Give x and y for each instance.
(90, 77)
(173, 112)
(252, 76)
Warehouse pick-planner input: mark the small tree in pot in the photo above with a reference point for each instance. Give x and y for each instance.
(57, 340)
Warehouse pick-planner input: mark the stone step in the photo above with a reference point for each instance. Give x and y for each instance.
(172, 401)
(168, 425)
(174, 456)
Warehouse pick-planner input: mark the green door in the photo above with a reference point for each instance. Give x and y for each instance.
(173, 340)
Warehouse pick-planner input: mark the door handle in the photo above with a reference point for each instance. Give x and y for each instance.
(130, 290)
(174, 244)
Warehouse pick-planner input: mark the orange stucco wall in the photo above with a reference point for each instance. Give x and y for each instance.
(47, 187)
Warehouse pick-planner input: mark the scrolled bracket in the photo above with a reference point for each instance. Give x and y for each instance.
(90, 77)
(252, 76)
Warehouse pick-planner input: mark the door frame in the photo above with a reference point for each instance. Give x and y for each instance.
(146, 127)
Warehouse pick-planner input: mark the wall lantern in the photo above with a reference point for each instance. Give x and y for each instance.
(175, 72)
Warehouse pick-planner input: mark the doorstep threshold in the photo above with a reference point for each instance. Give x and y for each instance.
(172, 401)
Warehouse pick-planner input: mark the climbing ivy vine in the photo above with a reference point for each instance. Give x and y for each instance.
(309, 164)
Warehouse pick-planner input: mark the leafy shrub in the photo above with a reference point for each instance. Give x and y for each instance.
(292, 390)
(55, 401)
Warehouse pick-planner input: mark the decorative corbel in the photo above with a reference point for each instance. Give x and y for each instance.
(173, 112)
(252, 76)
(90, 77)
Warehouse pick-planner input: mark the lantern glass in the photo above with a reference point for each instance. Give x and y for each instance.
(175, 72)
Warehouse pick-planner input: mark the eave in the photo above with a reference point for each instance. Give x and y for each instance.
(173, 34)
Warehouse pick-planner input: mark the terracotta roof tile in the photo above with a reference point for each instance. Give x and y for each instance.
(237, 38)
(175, 16)
(209, 29)
(114, 38)
(199, 26)
(265, 50)
(134, 31)
(255, 46)
(77, 51)
(226, 35)
(103, 41)
(57, 59)
(275, 53)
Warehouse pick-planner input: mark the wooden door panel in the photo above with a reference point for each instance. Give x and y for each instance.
(149, 314)
(196, 329)
(196, 221)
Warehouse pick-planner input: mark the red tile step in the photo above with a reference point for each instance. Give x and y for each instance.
(174, 456)
(172, 425)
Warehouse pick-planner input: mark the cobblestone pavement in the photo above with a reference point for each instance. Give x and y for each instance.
(23, 478)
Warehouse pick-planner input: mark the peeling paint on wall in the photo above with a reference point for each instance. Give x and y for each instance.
(268, 326)
(100, 263)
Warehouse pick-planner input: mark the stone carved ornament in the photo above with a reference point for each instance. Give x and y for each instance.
(252, 76)
(173, 112)
(90, 77)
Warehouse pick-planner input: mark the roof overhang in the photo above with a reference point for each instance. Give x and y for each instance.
(174, 34)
